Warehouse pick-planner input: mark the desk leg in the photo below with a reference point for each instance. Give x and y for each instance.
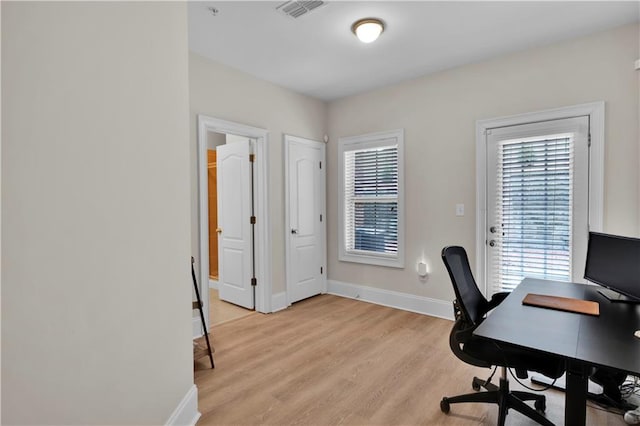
(575, 408)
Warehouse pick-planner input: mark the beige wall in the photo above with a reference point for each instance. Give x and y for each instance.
(439, 112)
(214, 139)
(222, 92)
(96, 318)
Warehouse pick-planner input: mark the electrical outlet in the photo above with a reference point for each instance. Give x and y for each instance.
(459, 209)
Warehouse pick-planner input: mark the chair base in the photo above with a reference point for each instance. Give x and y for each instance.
(505, 400)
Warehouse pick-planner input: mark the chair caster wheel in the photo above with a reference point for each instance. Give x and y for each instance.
(444, 406)
(475, 385)
(540, 405)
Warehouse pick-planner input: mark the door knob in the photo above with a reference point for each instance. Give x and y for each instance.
(492, 243)
(294, 231)
(219, 230)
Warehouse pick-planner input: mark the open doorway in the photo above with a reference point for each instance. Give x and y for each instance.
(235, 145)
(230, 193)
(212, 191)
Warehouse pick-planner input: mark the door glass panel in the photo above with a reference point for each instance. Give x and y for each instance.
(537, 202)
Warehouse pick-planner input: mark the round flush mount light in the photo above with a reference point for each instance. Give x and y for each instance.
(368, 29)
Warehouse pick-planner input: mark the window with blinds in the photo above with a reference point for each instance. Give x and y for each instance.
(534, 210)
(371, 199)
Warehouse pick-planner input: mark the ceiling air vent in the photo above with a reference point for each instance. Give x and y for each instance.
(296, 9)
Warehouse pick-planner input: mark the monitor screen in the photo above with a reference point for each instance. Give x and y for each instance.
(614, 262)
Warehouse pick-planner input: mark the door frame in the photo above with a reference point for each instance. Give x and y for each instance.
(261, 207)
(288, 139)
(595, 111)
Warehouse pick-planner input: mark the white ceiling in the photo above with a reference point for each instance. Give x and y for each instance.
(317, 55)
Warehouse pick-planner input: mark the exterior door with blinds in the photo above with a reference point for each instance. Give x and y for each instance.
(537, 202)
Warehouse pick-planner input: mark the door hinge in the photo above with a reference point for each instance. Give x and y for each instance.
(321, 164)
(320, 218)
(252, 219)
(252, 158)
(321, 270)
(254, 281)
(589, 140)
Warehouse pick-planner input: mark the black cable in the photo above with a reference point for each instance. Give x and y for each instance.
(506, 364)
(549, 386)
(495, 368)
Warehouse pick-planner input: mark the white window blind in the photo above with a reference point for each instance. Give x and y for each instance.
(371, 200)
(534, 210)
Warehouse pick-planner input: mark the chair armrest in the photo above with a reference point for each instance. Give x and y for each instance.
(461, 333)
(496, 299)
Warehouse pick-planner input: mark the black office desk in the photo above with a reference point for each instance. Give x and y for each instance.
(584, 341)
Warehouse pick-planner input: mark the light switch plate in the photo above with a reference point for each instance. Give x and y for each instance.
(459, 209)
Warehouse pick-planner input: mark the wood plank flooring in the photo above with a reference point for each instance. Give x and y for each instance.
(221, 311)
(332, 361)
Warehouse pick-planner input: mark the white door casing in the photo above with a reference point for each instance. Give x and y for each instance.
(587, 121)
(305, 233)
(261, 203)
(235, 241)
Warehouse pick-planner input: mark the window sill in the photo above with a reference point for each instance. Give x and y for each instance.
(390, 262)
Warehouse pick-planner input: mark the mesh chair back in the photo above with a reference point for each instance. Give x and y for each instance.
(470, 300)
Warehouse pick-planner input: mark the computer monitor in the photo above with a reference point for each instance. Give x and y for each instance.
(613, 262)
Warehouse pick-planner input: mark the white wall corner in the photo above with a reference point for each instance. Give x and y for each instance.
(186, 413)
(279, 301)
(407, 302)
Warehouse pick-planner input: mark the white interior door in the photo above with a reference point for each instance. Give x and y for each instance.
(235, 248)
(537, 202)
(306, 235)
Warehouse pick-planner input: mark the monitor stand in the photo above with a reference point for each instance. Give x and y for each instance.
(615, 297)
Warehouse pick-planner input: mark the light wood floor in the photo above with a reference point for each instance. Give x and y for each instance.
(221, 311)
(330, 360)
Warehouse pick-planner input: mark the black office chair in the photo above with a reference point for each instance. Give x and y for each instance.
(470, 308)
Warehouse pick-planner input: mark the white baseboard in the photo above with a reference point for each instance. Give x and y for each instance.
(393, 299)
(186, 413)
(279, 301)
(213, 284)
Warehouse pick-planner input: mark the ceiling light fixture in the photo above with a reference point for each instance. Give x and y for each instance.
(368, 30)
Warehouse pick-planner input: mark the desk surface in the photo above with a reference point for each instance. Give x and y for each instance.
(606, 340)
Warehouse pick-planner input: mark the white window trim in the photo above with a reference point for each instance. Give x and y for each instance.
(595, 111)
(366, 141)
